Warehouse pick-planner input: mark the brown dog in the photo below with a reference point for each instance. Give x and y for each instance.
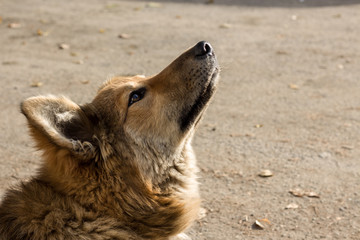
(120, 167)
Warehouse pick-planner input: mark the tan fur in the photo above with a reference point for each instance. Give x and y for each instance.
(114, 171)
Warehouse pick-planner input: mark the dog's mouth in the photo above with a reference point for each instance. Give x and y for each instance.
(191, 117)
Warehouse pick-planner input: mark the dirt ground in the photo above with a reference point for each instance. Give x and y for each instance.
(288, 100)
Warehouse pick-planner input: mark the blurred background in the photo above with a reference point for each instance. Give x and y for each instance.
(278, 148)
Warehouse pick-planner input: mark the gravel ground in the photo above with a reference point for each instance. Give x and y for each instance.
(288, 100)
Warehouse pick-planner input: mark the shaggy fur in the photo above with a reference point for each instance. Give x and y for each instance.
(120, 167)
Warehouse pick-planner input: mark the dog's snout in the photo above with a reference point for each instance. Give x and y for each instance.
(203, 48)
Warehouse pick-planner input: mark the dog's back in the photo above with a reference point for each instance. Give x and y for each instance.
(36, 211)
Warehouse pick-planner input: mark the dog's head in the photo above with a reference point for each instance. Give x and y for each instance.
(144, 116)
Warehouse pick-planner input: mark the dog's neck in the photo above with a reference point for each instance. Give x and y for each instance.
(170, 201)
(167, 168)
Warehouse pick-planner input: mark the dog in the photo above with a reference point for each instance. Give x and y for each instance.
(121, 166)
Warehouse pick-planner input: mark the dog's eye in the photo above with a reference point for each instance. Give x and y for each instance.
(136, 96)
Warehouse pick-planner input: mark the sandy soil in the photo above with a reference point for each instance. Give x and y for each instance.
(288, 100)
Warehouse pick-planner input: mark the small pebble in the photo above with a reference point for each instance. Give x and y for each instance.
(266, 173)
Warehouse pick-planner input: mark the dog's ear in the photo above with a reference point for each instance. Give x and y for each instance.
(58, 122)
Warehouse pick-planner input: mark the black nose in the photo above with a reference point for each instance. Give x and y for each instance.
(202, 48)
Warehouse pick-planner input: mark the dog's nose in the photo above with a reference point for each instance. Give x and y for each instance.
(202, 48)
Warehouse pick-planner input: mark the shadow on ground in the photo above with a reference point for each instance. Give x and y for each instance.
(271, 3)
